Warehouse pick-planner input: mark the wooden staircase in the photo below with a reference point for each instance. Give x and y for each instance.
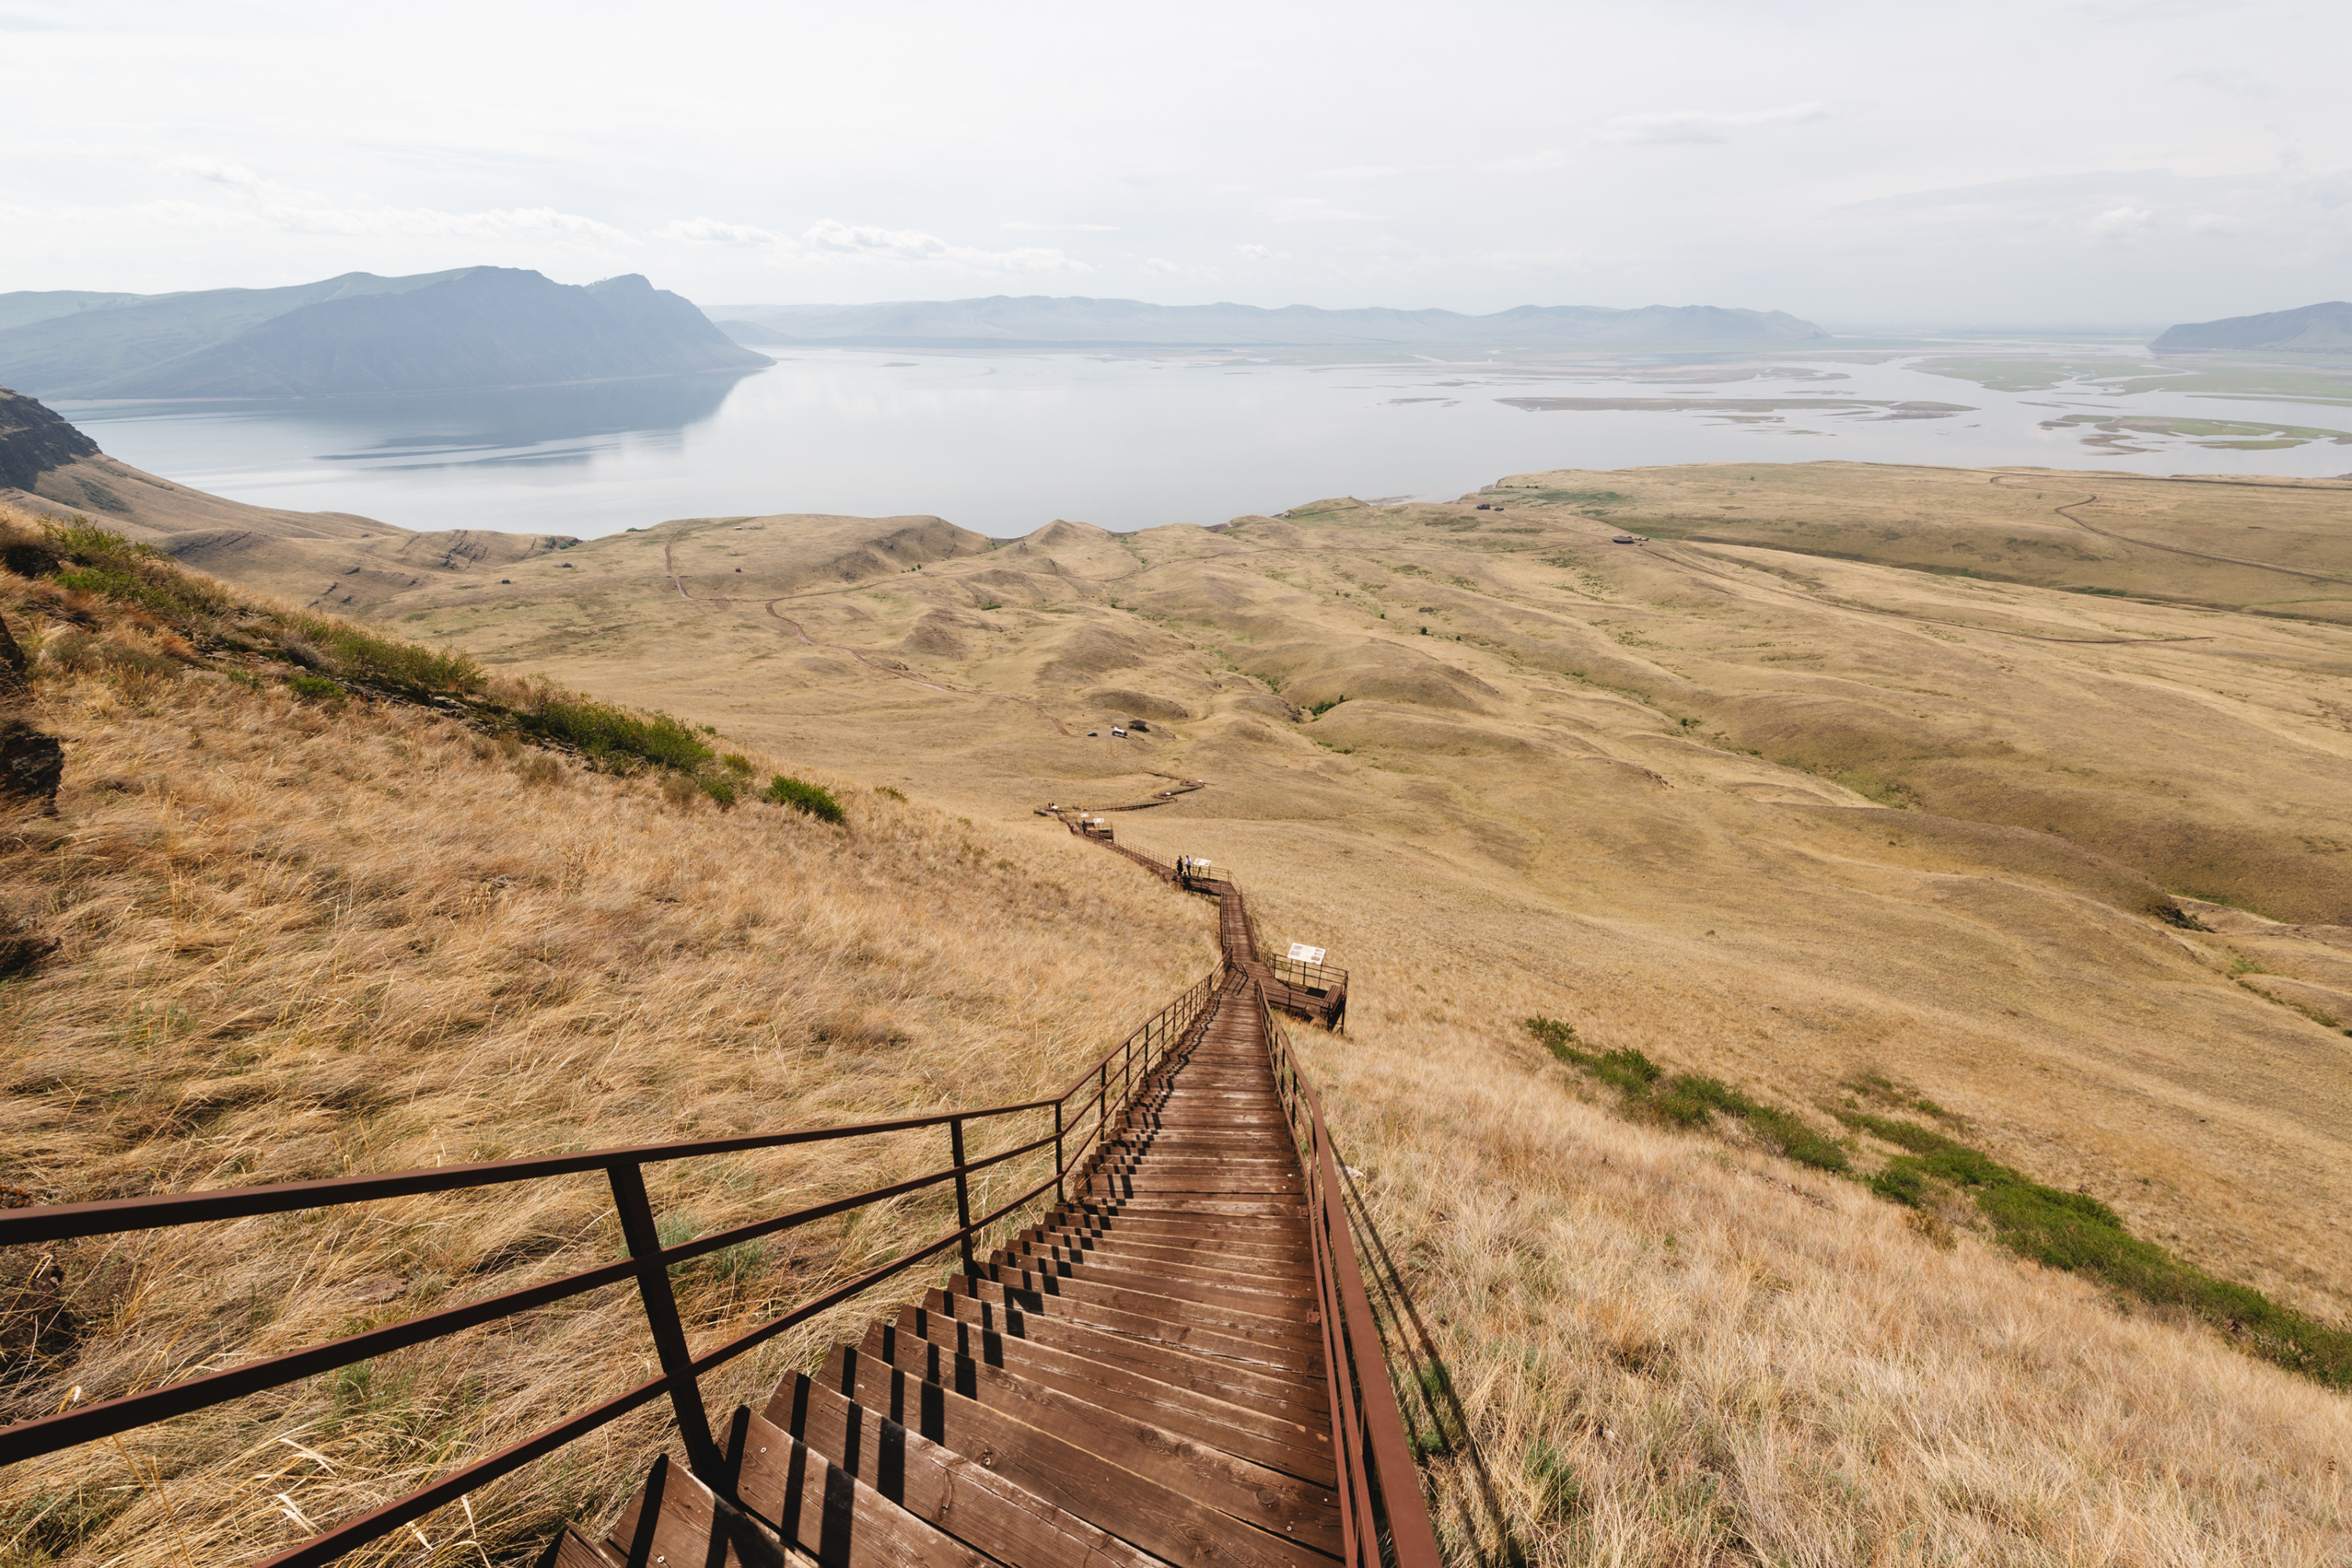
(1139, 1379)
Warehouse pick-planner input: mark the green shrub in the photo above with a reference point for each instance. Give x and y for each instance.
(363, 655)
(1627, 1069)
(612, 737)
(736, 762)
(2076, 1232)
(1555, 1482)
(1319, 709)
(799, 795)
(318, 687)
(898, 796)
(721, 790)
(96, 561)
(1688, 1099)
(1559, 1039)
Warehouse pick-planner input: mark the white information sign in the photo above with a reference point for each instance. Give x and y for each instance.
(1302, 954)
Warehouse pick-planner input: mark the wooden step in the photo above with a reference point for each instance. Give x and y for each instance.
(1302, 1399)
(950, 1492)
(1135, 1508)
(1282, 1358)
(1252, 1324)
(675, 1521)
(1271, 1438)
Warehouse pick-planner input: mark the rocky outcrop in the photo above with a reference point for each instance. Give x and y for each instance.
(34, 440)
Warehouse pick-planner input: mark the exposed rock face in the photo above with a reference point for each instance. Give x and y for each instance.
(478, 327)
(31, 764)
(33, 440)
(2310, 329)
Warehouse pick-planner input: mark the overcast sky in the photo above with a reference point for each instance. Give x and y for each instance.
(1882, 164)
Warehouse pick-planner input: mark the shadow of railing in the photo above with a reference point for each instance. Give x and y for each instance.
(1434, 1417)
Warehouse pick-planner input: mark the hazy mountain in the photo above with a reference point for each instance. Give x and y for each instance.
(1076, 322)
(475, 327)
(2312, 329)
(41, 304)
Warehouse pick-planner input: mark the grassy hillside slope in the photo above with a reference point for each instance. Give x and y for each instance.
(1649, 1345)
(298, 936)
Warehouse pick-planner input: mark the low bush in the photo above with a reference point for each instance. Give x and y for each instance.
(721, 791)
(2076, 1232)
(318, 687)
(801, 796)
(1687, 1100)
(363, 655)
(615, 738)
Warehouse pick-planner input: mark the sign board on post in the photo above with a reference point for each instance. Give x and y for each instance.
(1302, 954)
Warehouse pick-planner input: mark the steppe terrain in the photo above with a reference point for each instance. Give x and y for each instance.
(1760, 809)
(1852, 786)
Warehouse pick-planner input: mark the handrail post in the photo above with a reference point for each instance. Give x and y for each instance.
(1060, 1193)
(963, 1195)
(644, 1237)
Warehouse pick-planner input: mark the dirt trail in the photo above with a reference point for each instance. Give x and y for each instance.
(2066, 511)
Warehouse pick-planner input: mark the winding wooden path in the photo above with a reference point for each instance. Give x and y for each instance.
(1138, 1379)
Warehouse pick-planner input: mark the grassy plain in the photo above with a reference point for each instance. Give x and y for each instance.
(301, 936)
(1853, 776)
(1854, 772)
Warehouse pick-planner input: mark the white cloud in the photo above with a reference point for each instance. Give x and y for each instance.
(1064, 227)
(2216, 223)
(1260, 253)
(234, 175)
(1156, 264)
(1308, 209)
(829, 240)
(2121, 223)
(711, 231)
(1703, 125)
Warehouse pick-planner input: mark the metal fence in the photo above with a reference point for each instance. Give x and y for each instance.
(1079, 1115)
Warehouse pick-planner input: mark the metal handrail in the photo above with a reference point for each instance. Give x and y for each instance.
(648, 1262)
(1383, 1515)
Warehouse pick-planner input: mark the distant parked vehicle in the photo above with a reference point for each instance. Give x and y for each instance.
(1628, 538)
(1118, 734)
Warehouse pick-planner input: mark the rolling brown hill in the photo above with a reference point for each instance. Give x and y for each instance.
(1847, 834)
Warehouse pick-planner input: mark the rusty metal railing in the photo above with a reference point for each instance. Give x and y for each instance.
(1117, 1072)
(1383, 1515)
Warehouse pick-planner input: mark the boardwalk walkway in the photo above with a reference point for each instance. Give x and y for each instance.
(1138, 1379)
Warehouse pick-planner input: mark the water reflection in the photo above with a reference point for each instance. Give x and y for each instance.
(535, 427)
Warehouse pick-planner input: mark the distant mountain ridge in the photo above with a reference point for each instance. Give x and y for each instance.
(473, 327)
(1078, 321)
(2310, 329)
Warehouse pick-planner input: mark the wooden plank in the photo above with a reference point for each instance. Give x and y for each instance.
(828, 1513)
(1135, 1508)
(1232, 1289)
(1301, 1396)
(1268, 1329)
(939, 1489)
(1267, 1437)
(1252, 1274)
(1208, 1472)
(1201, 1340)
(573, 1550)
(691, 1528)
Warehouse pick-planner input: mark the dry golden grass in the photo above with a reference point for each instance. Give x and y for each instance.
(299, 941)
(1673, 1353)
(1946, 867)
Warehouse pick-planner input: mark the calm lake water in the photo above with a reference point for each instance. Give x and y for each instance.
(1003, 443)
